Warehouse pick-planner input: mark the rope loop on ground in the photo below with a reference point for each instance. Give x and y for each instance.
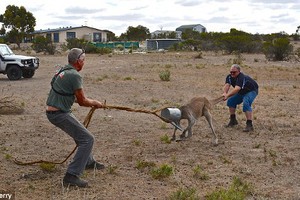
(86, 123)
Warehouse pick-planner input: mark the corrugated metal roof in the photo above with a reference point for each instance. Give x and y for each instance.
(63, 29)
(190, 26)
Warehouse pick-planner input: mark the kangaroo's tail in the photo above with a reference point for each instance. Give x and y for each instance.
(217, 100)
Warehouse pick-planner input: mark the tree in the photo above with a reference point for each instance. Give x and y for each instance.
(296, 36)
(279, 49)
(19, 21)
(111, 36)
(138, 33)
(191, 34)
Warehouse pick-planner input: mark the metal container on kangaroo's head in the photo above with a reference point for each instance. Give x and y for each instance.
(172, 114)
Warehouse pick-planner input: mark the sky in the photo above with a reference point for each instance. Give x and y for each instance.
(251, 16)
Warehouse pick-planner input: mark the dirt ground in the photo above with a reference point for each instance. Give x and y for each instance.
(268, 158)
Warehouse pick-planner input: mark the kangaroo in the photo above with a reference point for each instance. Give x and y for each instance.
(197, 107)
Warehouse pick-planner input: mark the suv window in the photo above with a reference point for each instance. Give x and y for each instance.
(5, 51)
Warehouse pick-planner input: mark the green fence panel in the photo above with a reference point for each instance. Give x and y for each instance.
(113, 45)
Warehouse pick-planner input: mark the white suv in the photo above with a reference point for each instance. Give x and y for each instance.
(16, 66)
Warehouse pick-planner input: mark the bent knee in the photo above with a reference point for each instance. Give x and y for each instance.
(231, 104)
(91, 139)
(88, 139)
(247, 108)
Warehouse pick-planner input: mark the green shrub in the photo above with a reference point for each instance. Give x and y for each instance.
(165, 139)
(112, 169)
(199, 173)
(278, 49)
(162, 172)
(184, 194)
(238, 190)
(165, 75)
(8, 156)
(141, 164)
(120, 47)
(76, 43)
(43, 44)
(49, 167)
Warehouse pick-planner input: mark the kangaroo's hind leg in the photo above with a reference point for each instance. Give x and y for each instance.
(208, 117)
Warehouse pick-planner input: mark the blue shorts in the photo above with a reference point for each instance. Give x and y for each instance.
(246, 99)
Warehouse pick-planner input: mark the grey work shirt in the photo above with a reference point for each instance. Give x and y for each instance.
(64, 85)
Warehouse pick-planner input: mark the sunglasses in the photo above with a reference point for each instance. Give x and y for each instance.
(81, 53)
(233, 72)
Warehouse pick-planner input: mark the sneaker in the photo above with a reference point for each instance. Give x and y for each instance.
(248, 128)
(232, 123)
(95, 165)
(72, 180)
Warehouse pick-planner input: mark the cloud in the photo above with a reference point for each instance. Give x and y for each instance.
(139, 8)
(275, 1)
(128, 17)
(256, 16)
(80, 10)
(188, 3)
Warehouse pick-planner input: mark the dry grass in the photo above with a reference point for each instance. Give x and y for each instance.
(10, 105)
(268, 159)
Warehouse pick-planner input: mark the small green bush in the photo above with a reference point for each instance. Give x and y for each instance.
(112, 169)
(120, 47)
(49, 167)
(165, 75)
(238, 190)
(165, 139)
(199, 173)
(141, 164)
(184, 194)
(8, 156)
(162, 172)
(128, 78)
(43, 44)
(278, 49)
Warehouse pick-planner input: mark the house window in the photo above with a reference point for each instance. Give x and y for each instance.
(97, 37)
(71, 35)
(55, 37)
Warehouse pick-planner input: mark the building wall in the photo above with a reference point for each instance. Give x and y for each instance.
(156, 44)
(200, 29)
(80, 33)
(84, 33)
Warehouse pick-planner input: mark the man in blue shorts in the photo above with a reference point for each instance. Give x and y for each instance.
(245, 90)
(67, 88)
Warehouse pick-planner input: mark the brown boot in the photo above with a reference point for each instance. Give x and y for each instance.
(232, 123)
(249, 126)
(72, 180)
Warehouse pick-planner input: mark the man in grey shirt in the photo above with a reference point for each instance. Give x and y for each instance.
(66, 88)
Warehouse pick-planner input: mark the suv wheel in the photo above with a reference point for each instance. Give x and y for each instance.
(28, 73)
(14, 72)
